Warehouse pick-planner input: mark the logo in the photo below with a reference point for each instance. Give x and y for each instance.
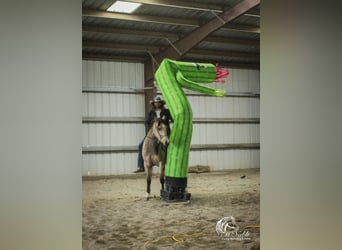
(228, 229)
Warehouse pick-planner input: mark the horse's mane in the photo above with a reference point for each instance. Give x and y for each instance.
(161, 120)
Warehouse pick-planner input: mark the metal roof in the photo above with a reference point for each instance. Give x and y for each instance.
(159, 26)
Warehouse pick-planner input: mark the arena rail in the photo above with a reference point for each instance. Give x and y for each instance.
(194, 147)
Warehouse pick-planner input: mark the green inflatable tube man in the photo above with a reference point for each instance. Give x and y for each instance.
(172, 76)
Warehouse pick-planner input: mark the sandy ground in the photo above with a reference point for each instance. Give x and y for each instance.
(116, 216)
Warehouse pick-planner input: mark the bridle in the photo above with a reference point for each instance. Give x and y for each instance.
(160, 135)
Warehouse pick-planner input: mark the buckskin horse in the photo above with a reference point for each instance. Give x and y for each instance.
(154, 151)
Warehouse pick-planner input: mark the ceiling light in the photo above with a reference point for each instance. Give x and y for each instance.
(125, 7)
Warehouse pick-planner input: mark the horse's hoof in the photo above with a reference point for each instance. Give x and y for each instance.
(147, 199)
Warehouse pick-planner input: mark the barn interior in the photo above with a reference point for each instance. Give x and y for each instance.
(121, 52)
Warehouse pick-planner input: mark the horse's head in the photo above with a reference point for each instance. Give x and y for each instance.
(160, 130)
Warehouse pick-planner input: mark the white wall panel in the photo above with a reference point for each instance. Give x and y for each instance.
(224, 107)
(110, 164)
(225, 159)
(112, 134)
(253, 81)
(111, 74)
(238, 81)
(221, 133)
(113, 104)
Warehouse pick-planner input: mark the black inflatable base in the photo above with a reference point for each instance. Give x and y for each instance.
(175, 190)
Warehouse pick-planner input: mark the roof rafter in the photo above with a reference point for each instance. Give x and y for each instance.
(185, 44)
(196, 41)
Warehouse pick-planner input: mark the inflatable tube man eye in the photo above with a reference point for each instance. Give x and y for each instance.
(172, 76)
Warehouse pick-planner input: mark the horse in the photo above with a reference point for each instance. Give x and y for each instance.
(154, 151)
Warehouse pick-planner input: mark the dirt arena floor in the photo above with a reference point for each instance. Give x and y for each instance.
(116, 215)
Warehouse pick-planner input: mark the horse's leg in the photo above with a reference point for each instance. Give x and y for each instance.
(162, 174)
(148, 170)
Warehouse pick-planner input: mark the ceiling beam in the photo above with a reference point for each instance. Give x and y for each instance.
(241, 28)
(189, 5)
(162, 20)
(154, 34)
(106, 57)
(253, 11)
(224, 53)
(152, 49)
(247, 42)
(140, 33)
(156, 49)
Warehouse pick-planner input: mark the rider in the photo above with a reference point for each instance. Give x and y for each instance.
(158, 110)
